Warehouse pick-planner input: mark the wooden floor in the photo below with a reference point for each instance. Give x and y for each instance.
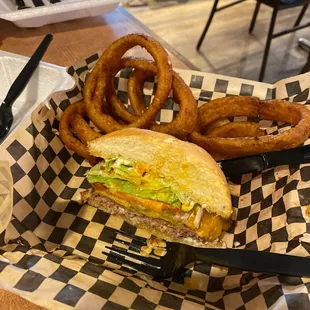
(228, 47)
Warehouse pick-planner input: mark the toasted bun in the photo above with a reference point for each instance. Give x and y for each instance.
(185, 165)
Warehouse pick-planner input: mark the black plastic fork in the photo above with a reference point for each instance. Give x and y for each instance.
(179, 255)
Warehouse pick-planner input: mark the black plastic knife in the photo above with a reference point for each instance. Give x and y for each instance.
(257, 163)
(6, 115)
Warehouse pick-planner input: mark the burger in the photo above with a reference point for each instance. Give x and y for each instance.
(154, 181)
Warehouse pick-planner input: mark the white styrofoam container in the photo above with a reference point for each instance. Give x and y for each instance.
(43, 15)
(47, 79)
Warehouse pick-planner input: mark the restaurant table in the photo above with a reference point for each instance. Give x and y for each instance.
(77, 39)
(74, 40)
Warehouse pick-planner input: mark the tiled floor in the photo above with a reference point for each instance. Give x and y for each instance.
(228, 47)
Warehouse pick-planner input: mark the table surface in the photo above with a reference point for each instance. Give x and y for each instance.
(77, 39)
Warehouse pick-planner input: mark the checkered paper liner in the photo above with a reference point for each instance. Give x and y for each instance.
(36, 3)
(51, 252)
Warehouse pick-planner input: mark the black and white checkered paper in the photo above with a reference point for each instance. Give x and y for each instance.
(51, 252)
(34, 3)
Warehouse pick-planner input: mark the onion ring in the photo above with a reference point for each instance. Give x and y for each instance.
(233, 130)
(84, 132)
(66, 135)
(99, 80)
(217, 123)
(111, 97)
(185, 121)
(236, 130)
(279, 110)
(118, 107)
(227, 107)
(135, 90)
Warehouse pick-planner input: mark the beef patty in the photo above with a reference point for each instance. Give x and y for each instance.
(158, 227)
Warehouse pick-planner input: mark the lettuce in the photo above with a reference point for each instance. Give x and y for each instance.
(109, 163)
(164, 195)
(120, 175)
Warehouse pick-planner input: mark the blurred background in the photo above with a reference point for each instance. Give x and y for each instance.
(228, 48)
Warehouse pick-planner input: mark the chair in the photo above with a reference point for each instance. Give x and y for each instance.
(305, 44)
(276, 5)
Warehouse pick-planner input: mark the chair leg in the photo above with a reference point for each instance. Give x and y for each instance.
(267, 46)
(255, 13)
(306, 68)
(207, 25)
(301, 14)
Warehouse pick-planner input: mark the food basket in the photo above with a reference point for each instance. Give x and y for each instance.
(51, 251)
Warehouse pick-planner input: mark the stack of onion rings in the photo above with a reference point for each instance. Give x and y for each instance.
(108, 113)
(208, 126)
(99, 81)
